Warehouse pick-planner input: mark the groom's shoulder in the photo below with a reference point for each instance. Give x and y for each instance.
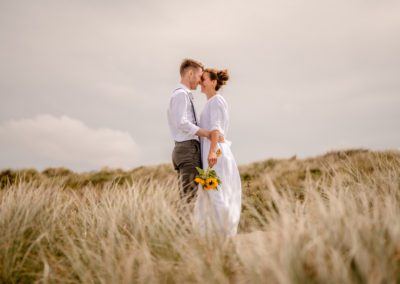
(178, 92)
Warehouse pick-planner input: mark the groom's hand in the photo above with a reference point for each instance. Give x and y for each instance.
(221, 138)
(212, 159)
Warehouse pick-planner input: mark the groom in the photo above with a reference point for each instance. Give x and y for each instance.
(185, 130)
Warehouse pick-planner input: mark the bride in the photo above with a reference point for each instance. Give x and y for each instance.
(217, 210)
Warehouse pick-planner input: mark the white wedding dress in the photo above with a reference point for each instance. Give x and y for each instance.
(218, 210)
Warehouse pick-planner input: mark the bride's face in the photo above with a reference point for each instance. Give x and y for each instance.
(207, 85)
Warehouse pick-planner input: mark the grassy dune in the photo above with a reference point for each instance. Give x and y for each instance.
(334, 218)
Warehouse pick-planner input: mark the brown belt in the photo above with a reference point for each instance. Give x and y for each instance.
(192, 141)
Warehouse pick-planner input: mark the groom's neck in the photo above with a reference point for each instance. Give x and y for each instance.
(185, 83)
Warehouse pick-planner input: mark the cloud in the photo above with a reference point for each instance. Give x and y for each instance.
(46, 140)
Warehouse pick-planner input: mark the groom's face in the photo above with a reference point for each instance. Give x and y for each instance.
(195, 78)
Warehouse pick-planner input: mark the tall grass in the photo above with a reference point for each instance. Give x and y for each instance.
(344, 227)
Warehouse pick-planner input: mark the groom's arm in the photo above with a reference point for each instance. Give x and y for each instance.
(178, 107)
(203, 133)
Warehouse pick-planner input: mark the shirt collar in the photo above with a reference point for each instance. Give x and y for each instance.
(180, 85)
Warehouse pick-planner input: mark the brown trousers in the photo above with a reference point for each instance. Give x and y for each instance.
(186, 157)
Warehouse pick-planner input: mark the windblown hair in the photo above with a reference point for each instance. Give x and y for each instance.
(190, 63)
(221, 76)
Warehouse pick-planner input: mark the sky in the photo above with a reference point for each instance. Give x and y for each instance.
(86, 84)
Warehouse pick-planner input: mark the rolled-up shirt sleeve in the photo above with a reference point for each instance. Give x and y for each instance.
(179, 106)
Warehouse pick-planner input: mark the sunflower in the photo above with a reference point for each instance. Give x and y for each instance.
(207, 178)
(211, 183)
(219, 153)
(199, 180)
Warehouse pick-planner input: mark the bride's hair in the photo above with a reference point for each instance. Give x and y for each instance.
(221, 76)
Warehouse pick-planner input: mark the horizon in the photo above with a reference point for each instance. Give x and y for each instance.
(294, 157)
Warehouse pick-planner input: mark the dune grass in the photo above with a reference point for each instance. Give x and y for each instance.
(328, 219)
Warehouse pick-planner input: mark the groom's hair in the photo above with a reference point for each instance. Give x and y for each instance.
(190, 63)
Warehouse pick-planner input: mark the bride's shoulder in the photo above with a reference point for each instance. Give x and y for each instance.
(219, 100)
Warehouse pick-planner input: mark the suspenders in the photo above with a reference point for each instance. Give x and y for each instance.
(195, 121)
(194, 112)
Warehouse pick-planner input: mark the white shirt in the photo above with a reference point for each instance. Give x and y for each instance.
(215, 115)
(181, 118)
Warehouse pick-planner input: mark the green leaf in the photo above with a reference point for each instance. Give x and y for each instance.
(201, 171)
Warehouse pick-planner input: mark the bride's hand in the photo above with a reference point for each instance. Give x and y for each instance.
(212, 159)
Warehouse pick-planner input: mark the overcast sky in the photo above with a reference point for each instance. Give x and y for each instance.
(86, 84)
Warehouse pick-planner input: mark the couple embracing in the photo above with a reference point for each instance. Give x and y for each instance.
(202, 142)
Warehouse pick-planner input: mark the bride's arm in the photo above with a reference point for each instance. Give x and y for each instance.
(212, 155)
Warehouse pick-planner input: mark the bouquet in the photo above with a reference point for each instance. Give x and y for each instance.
(208, 178)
